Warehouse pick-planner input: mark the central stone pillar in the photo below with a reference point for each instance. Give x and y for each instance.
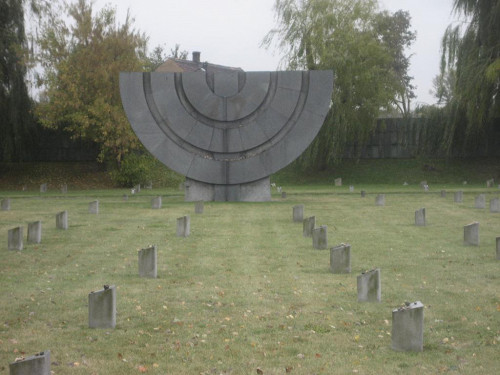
(257, 191)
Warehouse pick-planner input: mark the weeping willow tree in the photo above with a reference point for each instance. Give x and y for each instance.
(469, 81)
(352, 38)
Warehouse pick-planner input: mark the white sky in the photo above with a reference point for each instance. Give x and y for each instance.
(229, 32)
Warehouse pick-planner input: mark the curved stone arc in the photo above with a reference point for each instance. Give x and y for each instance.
(169, 142)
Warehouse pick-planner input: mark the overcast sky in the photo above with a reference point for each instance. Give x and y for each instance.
(229, 32)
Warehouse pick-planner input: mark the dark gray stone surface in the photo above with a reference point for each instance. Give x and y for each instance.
(495, 205)
(35, 232)
(369, 286)
(471, 234)
(183, 226)
(5, 206)
(38, 364)
(15, 238)
(498, 248)
(102, 308)
(380, 200)
(298, 213)
(340, 259)
(62, 220)
(458, 196)
(308, 225)
(156, 203)
(320, 237)
(230, 128)
(94, 207)
(480, 201)
(250, 192)
(408, 328)
(148, 262)
(198, 207)
(420, 217)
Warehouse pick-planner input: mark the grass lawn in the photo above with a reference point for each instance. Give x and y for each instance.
(246, 293)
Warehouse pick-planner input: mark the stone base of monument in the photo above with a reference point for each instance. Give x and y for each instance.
(102, 308)
(369, 286)
(38, 364)
(308, 226)
(340, 259)
(148, 262)
(15, 238)
(35, 232)
(257, 191)
(320, 237)
(408, 328)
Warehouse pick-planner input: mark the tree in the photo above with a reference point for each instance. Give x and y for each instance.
(16, 120)
(81, 62)
(348, 37)
(158, 56)
(469, 80)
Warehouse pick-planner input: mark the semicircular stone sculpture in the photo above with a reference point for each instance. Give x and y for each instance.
(226, 132)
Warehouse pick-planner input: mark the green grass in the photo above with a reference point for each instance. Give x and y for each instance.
(246, 291)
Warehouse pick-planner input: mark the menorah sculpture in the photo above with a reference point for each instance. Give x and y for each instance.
(227, 132)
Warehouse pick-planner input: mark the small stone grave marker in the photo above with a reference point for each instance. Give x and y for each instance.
(338, 181)
(498, 248)
(298, 213)
(408, 327)
(308, 225)
(15, 238)
(102, 308)
(199, 207)
(480, 201)
(5, 206)
(148, 262)
(283, 194)
(471, 234)
(490, 183)
(380, 200)
(320, 237)
(495, 205)
(458, 196)
(35, 232)
(94, 207)
(369, 289)
(420, 217)
(43, 188)
(183, 226)
(156, 203)
(443, 193)
(363, 193)
(62, 220)
(351, 188)
(38, 364)
(340, 259)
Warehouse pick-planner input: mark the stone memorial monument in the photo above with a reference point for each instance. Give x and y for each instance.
(408, 327)
(5, 206)
(498, 248)
(320, 237)
(62, 220)
(94, 207)
(226, 131)
(380, 200)
(156, 203)
(458, 196)
(495, 205)
(198, 207)
(102, 308)
(15, 238)
(183, 226)
(298, 213)
(420, 218)
(340, 259)
(38, 364)
(35, 232)
(308, 226)
(148, 262)
(471, 234)
(480, 201)
(369, 289)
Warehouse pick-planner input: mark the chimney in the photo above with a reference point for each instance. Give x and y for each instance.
(196, 57)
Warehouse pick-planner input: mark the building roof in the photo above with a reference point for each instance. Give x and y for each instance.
(173, 65)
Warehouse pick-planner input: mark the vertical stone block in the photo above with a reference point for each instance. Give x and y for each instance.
(480, 201)
(351, 189)
(283, 194)
(443, 193)
(308, 226)
(380, 200)
(420, 218)
(363, 193)
(338, 181)
(38, 364)
(298, 213)
(458, 196)
(43, 188)
(35, 232)
(102, 308)
(408, 327)
(62, 220)
(199, 207)
(340, 259)
(15, 238)
(156, 203)
(5, 206)
(94, 207)
(471, 234)
(148, 262)
(495, 205)
(183, 226)
(320, 237)
(498, 248)
(369, 289)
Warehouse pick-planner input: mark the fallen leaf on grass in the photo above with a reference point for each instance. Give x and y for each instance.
(289, 369)
(259, 371)
(317, 355)
(142, 369)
